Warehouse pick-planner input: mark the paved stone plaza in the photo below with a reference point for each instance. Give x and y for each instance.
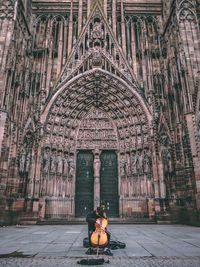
(61, 245)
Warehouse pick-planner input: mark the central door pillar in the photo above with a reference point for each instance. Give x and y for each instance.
(97, 165)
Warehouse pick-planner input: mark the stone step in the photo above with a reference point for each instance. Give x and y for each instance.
(29, 218)
(111, 221)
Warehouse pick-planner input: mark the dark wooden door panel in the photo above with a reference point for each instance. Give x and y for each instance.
(109, 182)
(84, 201)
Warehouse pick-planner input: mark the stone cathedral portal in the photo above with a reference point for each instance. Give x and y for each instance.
(98, 128)
(97, 142)
(99, 101)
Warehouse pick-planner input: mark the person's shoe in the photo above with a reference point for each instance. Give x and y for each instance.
(89, 251)
(107, 252)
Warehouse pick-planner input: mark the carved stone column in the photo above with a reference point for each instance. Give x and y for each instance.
(114, 16)
(65, 38)
(60, 48)
(162, 182)
(96, 179)
(195, 154)
(133, 49)
(70, 29)
(105, 8)
(47, 60)
(88, 7)
(80, 10)
(123, 28)
(37, 173)
(143, 48)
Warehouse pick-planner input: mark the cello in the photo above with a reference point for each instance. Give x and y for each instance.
(99, 237)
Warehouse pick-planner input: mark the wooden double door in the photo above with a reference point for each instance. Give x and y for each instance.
(84, 194)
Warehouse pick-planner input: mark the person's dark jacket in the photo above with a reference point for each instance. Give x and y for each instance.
(91, 219)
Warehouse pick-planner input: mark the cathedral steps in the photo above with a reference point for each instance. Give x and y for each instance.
(29, 218)
(111, 221)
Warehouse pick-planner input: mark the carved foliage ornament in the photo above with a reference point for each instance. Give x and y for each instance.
(186, 10)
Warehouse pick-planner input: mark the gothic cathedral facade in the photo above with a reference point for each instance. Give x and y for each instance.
(99, 101)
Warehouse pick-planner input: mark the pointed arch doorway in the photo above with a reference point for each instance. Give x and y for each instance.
(96, 164)
(99, 111)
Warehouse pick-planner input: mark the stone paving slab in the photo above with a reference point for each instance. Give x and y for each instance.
(62, 245)
(121, 262)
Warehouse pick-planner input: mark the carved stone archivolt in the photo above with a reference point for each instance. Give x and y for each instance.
(89, 92)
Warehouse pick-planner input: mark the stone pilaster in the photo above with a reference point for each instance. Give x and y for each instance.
(133, 49)
(80, 11)
(96, 180)
(123, 27)
(88, 7)
(70, 28)
(114, 16)
(195, 155)
(105, 5)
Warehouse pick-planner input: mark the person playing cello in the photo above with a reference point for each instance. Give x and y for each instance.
(92, 220)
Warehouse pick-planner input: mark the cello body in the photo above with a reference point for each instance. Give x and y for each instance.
(99, 237)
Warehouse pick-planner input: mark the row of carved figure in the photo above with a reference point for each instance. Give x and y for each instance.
(136, 163)
(142, 186)
(56, 162)
(61, 163)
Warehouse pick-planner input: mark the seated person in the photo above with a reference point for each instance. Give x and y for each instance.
(92, 220)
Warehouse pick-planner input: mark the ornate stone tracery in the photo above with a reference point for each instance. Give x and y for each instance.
(186, 10)
(95, 33)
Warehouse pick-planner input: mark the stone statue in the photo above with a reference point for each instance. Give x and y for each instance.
(147, 163)
(60, 163)
(97, 33)
(28, 161)
(65, 165)
(169, 161)
(22, 160)
(122, 167)
(127, 166)
(133, 163)
(140, 162)
(46, 160)
(53, 161)
(71, 167)
(96, 166)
